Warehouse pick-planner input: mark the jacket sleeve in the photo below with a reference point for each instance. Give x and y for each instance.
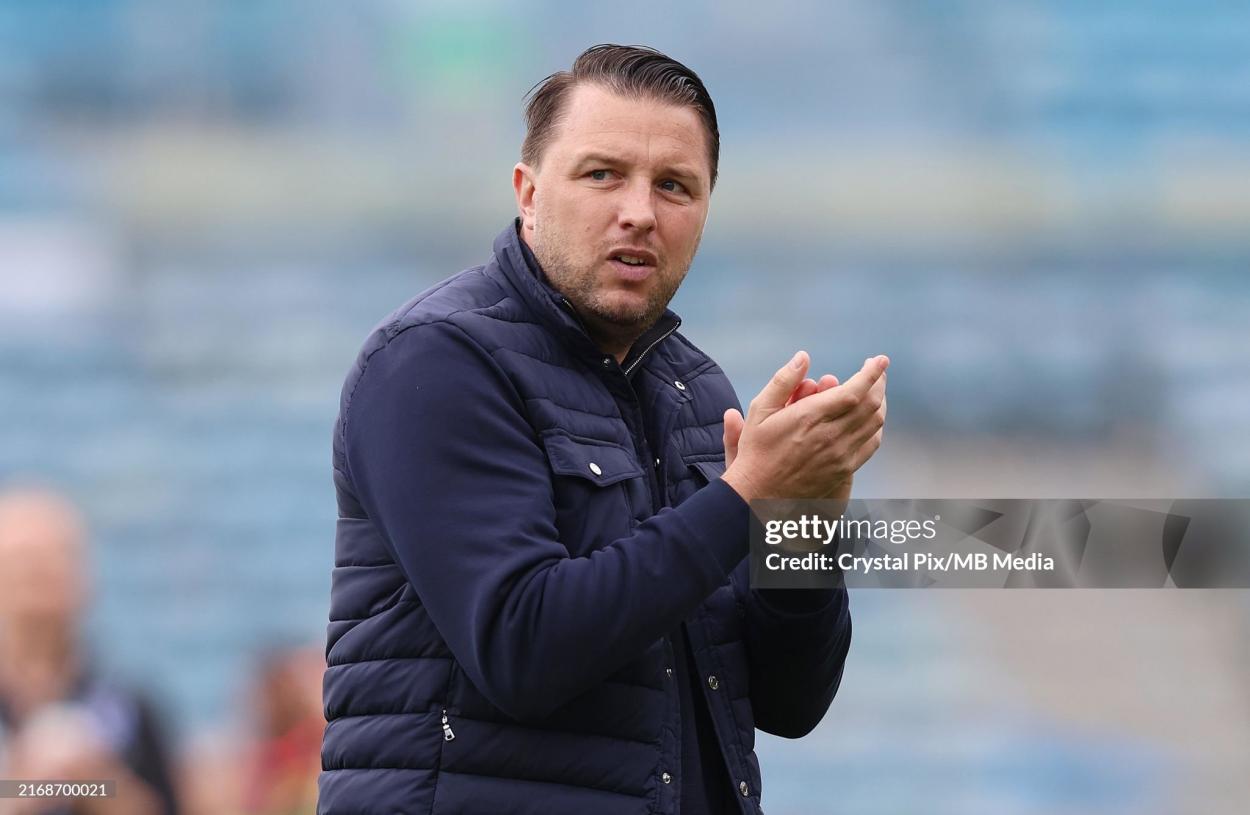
(797, 641)
(446, 465)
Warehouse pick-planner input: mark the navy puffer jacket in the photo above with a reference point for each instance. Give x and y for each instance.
(523, 522)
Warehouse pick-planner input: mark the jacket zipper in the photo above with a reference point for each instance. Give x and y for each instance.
(447, 734)
(647, 350)
(643, 355)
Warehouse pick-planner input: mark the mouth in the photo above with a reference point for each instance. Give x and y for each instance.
(632, 264)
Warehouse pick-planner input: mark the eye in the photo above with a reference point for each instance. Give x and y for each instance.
(598, 175)
(669, 185)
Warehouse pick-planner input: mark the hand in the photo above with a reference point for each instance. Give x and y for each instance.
(805, 439)
(62, 743)
(734, 421)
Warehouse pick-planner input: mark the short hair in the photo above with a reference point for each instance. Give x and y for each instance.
(629, 70)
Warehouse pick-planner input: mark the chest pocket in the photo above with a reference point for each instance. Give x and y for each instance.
(597, 488)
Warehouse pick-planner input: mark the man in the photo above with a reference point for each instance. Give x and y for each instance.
(540, 602)
(59, 720)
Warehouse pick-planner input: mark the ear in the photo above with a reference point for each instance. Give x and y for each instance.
(523, 185)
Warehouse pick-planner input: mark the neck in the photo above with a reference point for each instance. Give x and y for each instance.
(610, 339)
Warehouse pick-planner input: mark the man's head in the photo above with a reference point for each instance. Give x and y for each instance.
(617, 167)
(43, 581)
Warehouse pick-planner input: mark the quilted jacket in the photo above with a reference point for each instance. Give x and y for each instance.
(522, 524)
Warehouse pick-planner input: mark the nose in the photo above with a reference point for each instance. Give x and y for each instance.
(637, 206)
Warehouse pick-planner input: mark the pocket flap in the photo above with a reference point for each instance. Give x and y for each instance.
(710, 470)
(601, 462)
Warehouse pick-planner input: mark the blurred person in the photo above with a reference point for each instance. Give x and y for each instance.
(59, 720)
(285, 758)
(541, 600)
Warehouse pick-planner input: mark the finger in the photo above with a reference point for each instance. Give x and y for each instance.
(798, 392)
(775, 394)
(852, 429)
(804, 389)
(867, 450)
(866, 429)
(873, 400)
(836, 401)
(826, 382)
(733, 434)
(858, 424)
(867, 376)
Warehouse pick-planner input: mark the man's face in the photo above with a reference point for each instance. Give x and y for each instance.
(616, 208)
(42, 580)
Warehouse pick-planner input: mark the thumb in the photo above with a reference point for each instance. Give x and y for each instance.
(733, 432)
(777, 392)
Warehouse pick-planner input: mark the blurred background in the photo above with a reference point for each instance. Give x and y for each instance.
(1039, 210)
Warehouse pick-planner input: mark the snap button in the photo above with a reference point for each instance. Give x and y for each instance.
(666, 778)
(668, 672)
(596, 469)
(607, 361)
(681, 386)
(657, 462)
(744, 789)
(713, 682)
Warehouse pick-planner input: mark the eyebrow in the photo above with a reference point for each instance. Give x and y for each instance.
(679, 170)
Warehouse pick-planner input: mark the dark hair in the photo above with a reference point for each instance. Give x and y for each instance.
(629, 70)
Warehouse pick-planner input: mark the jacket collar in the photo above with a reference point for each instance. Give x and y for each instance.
(519, 265)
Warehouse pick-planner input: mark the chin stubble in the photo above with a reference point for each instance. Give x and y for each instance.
(580, 287)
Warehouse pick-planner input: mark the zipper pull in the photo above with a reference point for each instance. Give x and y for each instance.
(447, 734)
